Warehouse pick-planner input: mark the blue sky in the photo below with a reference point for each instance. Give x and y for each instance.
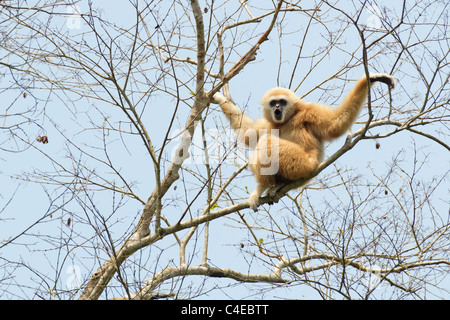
(52, 247)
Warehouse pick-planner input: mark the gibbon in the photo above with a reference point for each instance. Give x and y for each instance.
(289, 140)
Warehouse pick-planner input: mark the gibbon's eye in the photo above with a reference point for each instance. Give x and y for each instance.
(281, 103)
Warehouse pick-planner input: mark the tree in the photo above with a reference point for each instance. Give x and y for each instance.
(139, 187)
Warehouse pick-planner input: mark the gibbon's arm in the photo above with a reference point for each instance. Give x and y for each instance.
(237, 118)
(331, 123)
(247, 130)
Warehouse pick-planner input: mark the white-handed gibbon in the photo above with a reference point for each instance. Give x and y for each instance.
(289, 140)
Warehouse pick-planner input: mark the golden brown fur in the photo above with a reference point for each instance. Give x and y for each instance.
(288, 142)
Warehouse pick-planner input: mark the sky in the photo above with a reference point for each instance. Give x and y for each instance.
(27, 206)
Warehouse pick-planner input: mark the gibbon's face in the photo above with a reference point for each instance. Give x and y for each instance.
(277, 107)
(278, 104)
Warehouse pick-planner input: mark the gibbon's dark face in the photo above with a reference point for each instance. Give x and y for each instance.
(277, 107)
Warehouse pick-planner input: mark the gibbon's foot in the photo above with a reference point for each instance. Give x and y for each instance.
(253, 202)
(382, 77)
(272, 192)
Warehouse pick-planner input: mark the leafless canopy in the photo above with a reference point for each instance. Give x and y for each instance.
(139, 188)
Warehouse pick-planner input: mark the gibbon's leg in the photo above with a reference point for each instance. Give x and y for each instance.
(264, 155)
(253, 200)
(331, 124)
(275, 160)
